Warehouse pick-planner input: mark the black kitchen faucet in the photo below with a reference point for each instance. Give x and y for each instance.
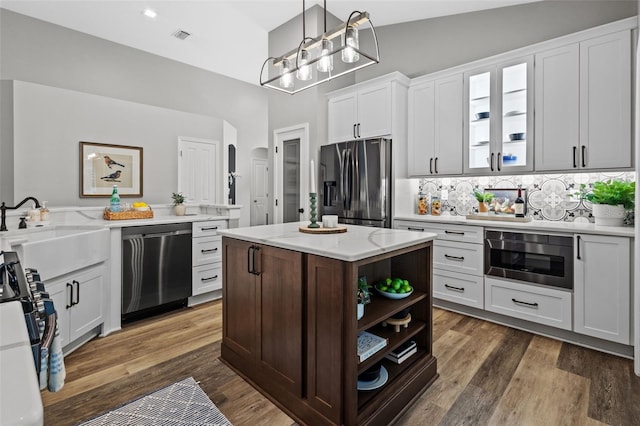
(4, 208)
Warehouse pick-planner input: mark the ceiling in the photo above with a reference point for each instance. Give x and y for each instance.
(229, 37)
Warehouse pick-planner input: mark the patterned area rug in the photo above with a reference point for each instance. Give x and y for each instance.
(182, 403)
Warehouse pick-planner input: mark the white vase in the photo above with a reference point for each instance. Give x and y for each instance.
(360, 310)
(180, 209)
(608, 215)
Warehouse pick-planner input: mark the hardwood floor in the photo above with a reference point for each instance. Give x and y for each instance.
(489, 375)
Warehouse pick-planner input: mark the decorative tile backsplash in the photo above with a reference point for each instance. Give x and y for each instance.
(549, 197)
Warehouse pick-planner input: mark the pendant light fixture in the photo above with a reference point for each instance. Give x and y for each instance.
(353, 44)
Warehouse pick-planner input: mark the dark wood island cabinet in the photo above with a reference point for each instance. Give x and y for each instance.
(290, 324)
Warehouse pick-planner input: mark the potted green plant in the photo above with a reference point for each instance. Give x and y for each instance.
(364, 295)
(484, 198)
(610, 199)
(178, 200)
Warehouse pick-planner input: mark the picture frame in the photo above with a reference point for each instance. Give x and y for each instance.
(104, 165)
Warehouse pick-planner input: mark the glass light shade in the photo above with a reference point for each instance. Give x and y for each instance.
(304, 70)
(349, 54)
(325, 64)
(286, 78)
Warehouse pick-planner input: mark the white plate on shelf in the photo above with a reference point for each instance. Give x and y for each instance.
(375, 384)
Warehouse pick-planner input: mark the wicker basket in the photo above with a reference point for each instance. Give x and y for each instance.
(129, 214)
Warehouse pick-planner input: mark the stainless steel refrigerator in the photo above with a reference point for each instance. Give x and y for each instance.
(355, 182)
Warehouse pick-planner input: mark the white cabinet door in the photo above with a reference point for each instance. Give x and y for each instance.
(342, 117)
(60, 293)
(602, 287)
(421, 129)
(448, 125)
(605, 101)
(87, 311)
(200, 171)
(374, 111)
(557, 109)
(207, 278)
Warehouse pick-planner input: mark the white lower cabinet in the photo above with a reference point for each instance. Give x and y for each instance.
(459, 288)
(206, 256)
(458, 257)
(529, 302)
(78, 301)
(602, 296)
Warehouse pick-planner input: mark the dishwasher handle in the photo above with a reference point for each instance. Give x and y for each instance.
(157, 234)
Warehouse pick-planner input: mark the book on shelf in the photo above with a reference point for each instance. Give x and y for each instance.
(399, 360)
(369, 344)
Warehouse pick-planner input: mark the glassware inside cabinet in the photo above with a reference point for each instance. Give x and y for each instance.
(514, 119)
(479, 120)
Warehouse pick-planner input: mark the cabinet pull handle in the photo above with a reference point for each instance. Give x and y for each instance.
(258, 270)
(354, 131)
(533, 305)
(578, 244)
(250, 259)
(575, 151)
(415, 229)
(499, 160)
(491, 162)
(204, 280)
(203, 251)
(458, 258)
(358, 129)
(431, 165)
(436, 168)
(584, 155)
(450, 287)
(213, 228)
(77, 293)
(70, 297)
(454, 232)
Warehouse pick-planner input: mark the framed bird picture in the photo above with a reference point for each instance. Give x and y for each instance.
(104, 165)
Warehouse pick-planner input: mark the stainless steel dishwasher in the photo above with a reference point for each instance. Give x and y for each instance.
(156, 268)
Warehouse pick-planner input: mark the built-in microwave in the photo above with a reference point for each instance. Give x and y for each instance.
(537, 258)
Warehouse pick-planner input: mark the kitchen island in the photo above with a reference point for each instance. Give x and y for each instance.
(290, 325)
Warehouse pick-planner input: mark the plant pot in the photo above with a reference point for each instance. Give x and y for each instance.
(180, 209)
(608, 215)
(360, 310)
(483, 207)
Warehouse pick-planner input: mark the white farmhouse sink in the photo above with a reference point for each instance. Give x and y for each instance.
(58, 251)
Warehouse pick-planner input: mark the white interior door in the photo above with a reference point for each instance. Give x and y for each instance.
(259, 191)
(291, 174)
(199, 165)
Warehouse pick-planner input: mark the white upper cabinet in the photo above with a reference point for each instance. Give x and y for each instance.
(498, 116)
(435, 127)
(199, 168)
(583, 105)
(366, 110)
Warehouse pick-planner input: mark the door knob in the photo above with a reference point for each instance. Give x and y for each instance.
(301, 210)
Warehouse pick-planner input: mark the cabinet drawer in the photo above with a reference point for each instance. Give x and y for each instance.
(529, 302)
(206, 278)
(459, 288)
(208, 228)
(458, 257)
(445, 231)
(206, 250)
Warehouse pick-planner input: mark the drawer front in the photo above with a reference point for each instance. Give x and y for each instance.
(208, 228)
(206, 250)
(458, 257)
(206, 278)
(529, 302)
(459, 288)
(445, 231)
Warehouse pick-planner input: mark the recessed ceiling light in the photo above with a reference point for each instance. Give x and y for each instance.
(149, 13)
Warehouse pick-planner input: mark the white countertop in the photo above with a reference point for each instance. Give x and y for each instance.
(533, 226)
(359, 242)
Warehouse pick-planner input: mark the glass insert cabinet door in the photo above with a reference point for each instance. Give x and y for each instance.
(499, 119)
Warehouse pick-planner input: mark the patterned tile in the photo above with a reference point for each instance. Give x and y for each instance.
(550, 196)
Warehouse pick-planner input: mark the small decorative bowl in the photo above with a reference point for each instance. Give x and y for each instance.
(516, 136)
(482, 115)
(370, 375)
(394, 295)
(509, 159)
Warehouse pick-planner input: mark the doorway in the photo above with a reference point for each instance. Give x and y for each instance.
(291, 170)
(259, 191)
